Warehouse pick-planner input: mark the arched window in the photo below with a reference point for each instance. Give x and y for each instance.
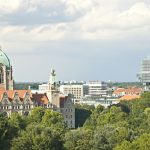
(5, 102)
(16, 101)
(27, 101)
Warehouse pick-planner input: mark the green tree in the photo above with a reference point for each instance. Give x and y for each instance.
(36, 114)
(35, 138)
(79, 139)
(54, 120)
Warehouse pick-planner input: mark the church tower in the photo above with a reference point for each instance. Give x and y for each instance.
(53, 89)
(6, 78)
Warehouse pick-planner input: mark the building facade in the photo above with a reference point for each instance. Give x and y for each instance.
(19, 101)
(96, 88)
(77, 90)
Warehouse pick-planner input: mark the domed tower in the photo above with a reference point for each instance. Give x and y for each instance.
(6, 78)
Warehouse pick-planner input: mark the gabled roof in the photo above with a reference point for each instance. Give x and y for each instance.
(11, 93)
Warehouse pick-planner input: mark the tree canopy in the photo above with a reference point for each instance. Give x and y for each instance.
(125, 126)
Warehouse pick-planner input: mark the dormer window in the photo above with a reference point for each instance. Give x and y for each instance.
(16, 101)
(5, 101)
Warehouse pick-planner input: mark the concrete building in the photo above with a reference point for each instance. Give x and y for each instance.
(96, 88)
(78, 90)
(97, 100)
(144, 75)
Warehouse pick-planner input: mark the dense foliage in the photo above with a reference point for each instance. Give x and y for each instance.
(43, 129)
(125, 126)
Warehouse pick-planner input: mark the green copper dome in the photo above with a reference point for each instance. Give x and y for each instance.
(4, 59)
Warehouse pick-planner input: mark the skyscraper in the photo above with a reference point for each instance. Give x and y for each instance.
(144, 75)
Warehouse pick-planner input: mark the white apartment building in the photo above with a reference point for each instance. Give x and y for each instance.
(43, 88)
(97, 88)
(77, 90)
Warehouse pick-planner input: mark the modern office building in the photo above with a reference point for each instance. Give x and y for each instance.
(97, 88)
(144, 75)
(78, 90)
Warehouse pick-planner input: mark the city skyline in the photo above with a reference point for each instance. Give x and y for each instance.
(92, 40)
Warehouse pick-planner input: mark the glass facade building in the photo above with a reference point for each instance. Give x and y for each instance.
(144, 75)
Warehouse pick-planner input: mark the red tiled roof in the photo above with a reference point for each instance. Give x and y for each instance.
(130, 90)
(11, 93)
(129, 97)
(40, 98)
(119, 90)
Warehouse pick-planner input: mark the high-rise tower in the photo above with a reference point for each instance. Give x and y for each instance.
(144, 75)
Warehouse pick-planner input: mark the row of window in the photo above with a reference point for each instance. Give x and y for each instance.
(70, 124)
(68, 121)
(15, 107)
(68, 116)
(68, 110)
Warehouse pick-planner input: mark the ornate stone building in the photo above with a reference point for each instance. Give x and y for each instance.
(23, 101)
(61, 102)
(20, 101)
(6, 78)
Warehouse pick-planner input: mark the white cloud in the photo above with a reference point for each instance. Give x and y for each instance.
(110, 25)
(9, 6)
(95, 20)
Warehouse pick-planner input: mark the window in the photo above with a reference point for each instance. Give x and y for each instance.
(66, 116)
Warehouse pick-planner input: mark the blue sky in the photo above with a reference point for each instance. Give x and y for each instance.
(81, 39)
